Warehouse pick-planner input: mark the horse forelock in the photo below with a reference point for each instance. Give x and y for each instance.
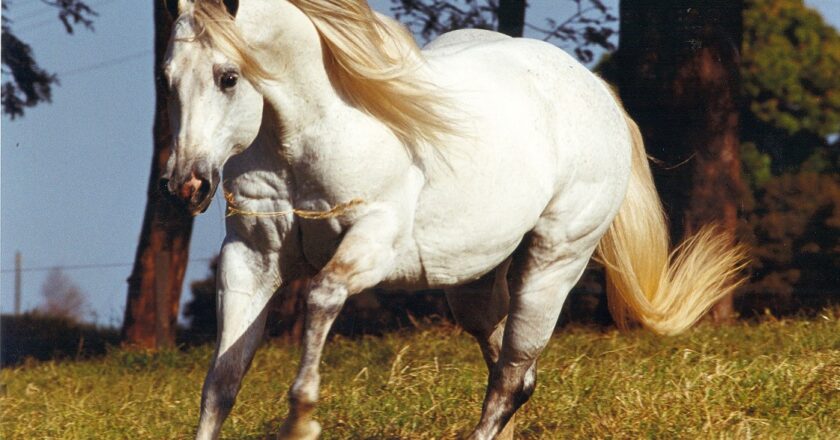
(212, 25)
(373, 60)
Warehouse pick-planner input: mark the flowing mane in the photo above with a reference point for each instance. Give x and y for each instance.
(373, 61)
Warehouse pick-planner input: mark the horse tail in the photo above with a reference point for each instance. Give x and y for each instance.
(666, 291)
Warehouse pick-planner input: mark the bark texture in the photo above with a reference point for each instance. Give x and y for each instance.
(154, 287)
(512, 17)
(678, 63)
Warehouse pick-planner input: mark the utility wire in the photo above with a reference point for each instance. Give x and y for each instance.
(90, 266)
(27, 7)
(106, 63)
(54, 9)
(32, 14)
(39, 24)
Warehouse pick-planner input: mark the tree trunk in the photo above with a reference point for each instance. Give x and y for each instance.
(511, 15)
(678, 61)
(154, 287)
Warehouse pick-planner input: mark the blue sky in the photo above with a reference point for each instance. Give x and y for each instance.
(73, 174)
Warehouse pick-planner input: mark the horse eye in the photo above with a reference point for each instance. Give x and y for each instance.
(228, 80)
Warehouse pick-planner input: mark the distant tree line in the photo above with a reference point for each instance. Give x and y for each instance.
(791, 156)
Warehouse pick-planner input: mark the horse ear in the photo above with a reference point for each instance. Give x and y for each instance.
(232, 6)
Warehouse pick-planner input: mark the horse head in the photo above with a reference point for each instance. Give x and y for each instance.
(215, 110)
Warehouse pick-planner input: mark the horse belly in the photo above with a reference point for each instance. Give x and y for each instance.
(467, 231)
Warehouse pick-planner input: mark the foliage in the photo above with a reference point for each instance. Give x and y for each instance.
(428, 19)
(25, 83)
(591, 26)
(794, 232)
(790, 62)
(756, 165)
(792, 108)
(35, 336)
(777, 379)
(201, 309)
(63, 298)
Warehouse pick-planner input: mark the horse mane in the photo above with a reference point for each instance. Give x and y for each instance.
(372, 60)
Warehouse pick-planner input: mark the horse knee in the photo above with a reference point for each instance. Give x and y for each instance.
(326, 297)
(304, 390)
(529, 384)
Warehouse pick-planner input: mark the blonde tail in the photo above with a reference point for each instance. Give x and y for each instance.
(665, 291)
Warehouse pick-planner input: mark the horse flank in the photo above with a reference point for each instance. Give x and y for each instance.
(373, 61)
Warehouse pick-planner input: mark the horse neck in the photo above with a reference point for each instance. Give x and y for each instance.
(302, 94)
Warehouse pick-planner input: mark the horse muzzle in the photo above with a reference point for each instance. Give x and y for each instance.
(195, 192)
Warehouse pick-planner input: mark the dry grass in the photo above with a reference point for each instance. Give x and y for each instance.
(774, 380)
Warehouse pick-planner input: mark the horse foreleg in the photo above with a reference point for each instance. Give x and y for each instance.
(323, 303)
(243, 292)
(361, 261)
(540, 279)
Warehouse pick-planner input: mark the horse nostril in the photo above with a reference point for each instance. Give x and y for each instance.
(195, 189)
(204, 188)
(190, 187)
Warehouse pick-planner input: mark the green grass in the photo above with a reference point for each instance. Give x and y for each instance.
(771, 380)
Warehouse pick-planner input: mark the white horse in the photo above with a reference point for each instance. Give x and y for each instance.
(488, 166)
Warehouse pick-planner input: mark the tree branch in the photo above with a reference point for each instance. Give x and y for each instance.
(29, 84)
(590, 27)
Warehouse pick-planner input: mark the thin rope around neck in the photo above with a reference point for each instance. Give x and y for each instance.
(335, 211)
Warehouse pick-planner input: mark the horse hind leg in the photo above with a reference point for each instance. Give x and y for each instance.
(480, 309)
(541, 275)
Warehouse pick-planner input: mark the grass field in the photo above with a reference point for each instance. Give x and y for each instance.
(773, 380)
